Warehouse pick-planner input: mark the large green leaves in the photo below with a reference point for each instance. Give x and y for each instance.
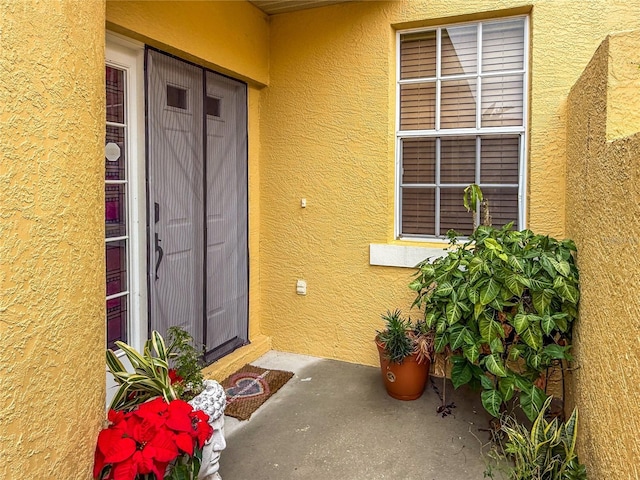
(491, 401)
(503, 302)
(531, 401)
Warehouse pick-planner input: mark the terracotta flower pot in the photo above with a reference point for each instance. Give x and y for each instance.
(406, 380)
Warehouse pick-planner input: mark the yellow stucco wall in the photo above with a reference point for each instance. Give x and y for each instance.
(52, 332)
(230, 37)
(602, 216)
(327, 135)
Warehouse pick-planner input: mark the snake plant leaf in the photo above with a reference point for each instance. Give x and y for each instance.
(158, 344)
(495, 365)
(461, 373)
(489, 291)
(570, 434)
(137, 360)
(113, 362)
(491, 401)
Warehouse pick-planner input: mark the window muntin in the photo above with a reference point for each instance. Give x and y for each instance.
(461, 120)
(116, 221)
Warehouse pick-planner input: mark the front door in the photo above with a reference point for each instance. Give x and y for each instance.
(197, 187)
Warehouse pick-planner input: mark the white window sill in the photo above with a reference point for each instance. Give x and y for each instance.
(402, 255)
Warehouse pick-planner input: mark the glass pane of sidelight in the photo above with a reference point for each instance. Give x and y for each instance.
(116, 267)
(419, 160)
(115, 153)
(418, 55)
(453, 215)
(458, 160)
(115, 95)
(459, 50)
(115, 210)
(418, 106)
(458, 104)
(418, 211)
(116, 320)
(503, 46)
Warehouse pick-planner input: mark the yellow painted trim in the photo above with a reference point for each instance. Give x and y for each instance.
(232, 362)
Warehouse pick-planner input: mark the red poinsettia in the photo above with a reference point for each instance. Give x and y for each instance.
(174, 377)
(145, 441)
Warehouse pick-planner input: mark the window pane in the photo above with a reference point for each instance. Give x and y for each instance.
(459, 50)
(458, 160)
(503, 46)
(115, 95)
(499, 157)
(114, 153)
(418, 211)
(418, 106)
(116, 267)
(458, 104)
(502, 101)
(115, 210)
(418, 55)
(176, 97)
(419, 161)
(503, 205)
(453, 215)
(116, 320)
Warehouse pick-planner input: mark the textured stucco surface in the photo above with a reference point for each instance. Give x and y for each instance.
(602, 216)
(52, 331)
(327, 135)
(230, 37)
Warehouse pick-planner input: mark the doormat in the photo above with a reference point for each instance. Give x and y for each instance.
(250, 387)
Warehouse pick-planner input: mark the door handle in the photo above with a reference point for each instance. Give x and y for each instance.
(160, 254)
(158, 248)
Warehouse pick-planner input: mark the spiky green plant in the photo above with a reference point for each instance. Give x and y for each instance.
(401, 338)
(187, 361)
(150, 376)
(546, 452)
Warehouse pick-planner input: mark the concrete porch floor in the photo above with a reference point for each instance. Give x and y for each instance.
(335, 420)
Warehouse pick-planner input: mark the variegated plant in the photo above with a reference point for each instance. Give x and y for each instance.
(150, 376)
(502, 306)
(546, 452)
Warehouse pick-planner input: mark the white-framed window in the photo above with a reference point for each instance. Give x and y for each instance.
(125, 244)
(461, 119)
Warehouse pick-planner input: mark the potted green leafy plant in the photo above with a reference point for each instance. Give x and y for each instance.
(405, 352)
(502, 305)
